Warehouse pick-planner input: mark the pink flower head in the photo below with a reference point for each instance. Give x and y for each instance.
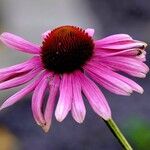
(68, 63)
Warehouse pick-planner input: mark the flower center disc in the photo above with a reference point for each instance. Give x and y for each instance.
(66, 49)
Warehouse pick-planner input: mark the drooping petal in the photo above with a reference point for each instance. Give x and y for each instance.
(107, 85)
(127, 52)
(19, 80)
(124, 46)
(20, 94)
(45, 34)
(78, 108)
(65, 98)
(120, 45)
(106, 79)
(113, 87)
(31, 62)
(142, 56)
(54, 86)
(131, 83)
(90, 31)
(19, 43)
(9, 76)
(94, 96)
(37, 101)
(19, 70)
(131, 66)
(117, 38)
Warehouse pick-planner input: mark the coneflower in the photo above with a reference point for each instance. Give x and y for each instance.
(68, 63)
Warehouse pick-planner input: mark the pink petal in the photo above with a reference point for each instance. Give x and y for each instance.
(90, 31)
(106, 79)
(19, 70)
(78, 108)
(20, 94)
(65, 98)
(19, 80)
(15, 74)
(45, 34)
(114, 39)
(124, 46)
(54, 86)
(19, 43)
(94, 74)
(109, 86)
(29, 63)
(95, 97)
(120, 44)
(131, 66)
(141, 57)
(134, 85)
(126, 52)
(37, 101)
(8, 76)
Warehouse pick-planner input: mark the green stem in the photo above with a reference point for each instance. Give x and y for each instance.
(117, 133)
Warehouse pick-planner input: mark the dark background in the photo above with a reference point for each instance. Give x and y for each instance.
(29, 19)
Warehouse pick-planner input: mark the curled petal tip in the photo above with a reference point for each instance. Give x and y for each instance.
(129, 92)
(59, 118)
(79, 118)
(59, 115)
(81, 121)
(1, 108)
(147, 70)
(46, 128)
(141, 91)
(143, 76)
(145, 44)
(40, 123)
